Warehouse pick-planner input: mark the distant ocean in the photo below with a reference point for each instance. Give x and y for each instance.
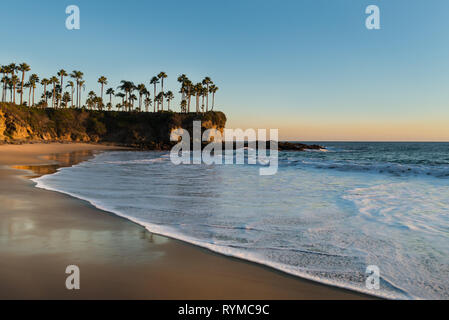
(324, 216)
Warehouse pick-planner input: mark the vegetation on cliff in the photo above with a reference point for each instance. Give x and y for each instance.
(138, 129)
(131, 97)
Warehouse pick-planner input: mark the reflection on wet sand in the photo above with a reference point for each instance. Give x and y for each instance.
(58, 160)
(68, 239)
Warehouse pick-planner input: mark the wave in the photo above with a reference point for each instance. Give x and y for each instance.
(427, 168)
(139, 161)
(395, 169)
(317, 150)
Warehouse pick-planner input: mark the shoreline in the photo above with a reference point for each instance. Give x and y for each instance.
(178, 270)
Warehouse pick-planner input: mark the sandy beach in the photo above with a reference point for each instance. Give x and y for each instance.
(42, 232)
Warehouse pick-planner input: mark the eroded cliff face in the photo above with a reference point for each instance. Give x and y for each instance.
(20, 124)
(2, 125)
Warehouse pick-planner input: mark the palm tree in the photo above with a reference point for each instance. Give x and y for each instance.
(141, 89)
(128, 87)
(23, 67)
(71, 84)
(14, 82)
(99, 103)
(5, 79)
(82, 86)
(58, 95)
(184, 106)
(28, 85)
(110, 92)
(213, 89)
(197, 90)
(189, 90)
(9, 87)
(121, 95)
(62, 73)
(46, 95)
(103, 81)
(162, 75)
(207, 82)
(33, 79)
(12, 70)
(132, 98)
(54, 80)
(204, 93)
(66, 98)
(147, 98)
(77, 75)
(154, 81)
(45, 82)
(184, 80)
(147, 103)
(169, 96)
(90, 99)
(159, 99)
(19, 91)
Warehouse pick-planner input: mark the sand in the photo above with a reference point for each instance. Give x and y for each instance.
(42, 232)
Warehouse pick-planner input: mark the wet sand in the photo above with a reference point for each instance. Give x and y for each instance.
(42, 232)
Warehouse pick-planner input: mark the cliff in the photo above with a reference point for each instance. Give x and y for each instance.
(151, 131)
(19, 124)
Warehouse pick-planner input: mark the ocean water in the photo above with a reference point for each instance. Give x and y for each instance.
(324, 216)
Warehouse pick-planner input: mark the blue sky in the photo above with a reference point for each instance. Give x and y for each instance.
(307, 67)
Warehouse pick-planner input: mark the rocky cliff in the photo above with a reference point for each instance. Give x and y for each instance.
(20, 124)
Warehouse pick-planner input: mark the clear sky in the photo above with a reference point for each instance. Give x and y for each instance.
(307, 67)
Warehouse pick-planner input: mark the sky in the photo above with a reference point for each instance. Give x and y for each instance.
(309, 68)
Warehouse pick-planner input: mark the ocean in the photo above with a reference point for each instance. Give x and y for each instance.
(324, 216)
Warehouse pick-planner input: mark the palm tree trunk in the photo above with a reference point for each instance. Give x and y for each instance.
(62, 88)
(21, 88)
(3, 92)
(162, 90)
(33, 96)
(77, 94)
(154, 99)
(29, 97)
(197, 102)
(188, 103)
(207, 99)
